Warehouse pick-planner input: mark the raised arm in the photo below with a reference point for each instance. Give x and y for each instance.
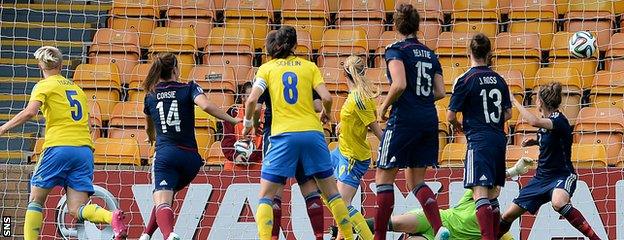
(533, 120)
(29, 112)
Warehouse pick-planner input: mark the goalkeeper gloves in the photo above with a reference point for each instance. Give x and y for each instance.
(521, 167)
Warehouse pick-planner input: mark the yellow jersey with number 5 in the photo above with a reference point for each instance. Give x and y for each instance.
(64, 107)
(290, 82)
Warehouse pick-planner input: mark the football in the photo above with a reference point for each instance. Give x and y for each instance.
(583, 44)
(243, 149)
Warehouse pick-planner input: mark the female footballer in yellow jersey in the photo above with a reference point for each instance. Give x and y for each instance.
(67, 158)
(353, 155)
(296, 132)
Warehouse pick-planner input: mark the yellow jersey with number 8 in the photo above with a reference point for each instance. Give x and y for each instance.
(64, 107)
(290, 82)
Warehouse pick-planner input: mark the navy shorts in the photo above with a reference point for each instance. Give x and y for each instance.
(484, 166)
(65, 166)
(539, 191)
(408, 148)
(174, 168)
(299, 174)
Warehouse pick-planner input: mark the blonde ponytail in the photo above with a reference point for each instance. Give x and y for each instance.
(356, 67)
(51, 57)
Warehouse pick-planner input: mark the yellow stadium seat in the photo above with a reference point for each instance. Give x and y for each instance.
(215, 155)
(443, 125)
(560, 57)
(572, 89)
(452, 49)
(386, 38)
(534, 16)
(95, 119)
(254, 15)
(180, 41)
(204, 142)
(196, 14)
(307, 15)
(140, 15)
(368, 16)
(101, 82)
(589, 156)
(601, 126)
(374, 144)
(562, 6)
(335, 79)
(117, 151)
(205, 126)
(515, 81)
(37, 151)
(338, 44)
(450, 75)
(490, 29)
(120, 47)
(215, 78)
(230, 47)
(138, 134)
(518, 51)
(453, 155)
(475, 16)
(523, 130)
(378, 77)
(591, 15)
(516, 152)
(135, 86)
(614, 58)
(608, 89)
(337, 102)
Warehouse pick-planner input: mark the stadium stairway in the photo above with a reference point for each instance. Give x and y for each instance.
(24, 27)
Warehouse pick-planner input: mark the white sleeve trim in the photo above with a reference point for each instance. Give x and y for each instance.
(260, 83)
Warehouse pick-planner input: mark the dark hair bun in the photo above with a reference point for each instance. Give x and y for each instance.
(280, 43)
(406, 19)
(481, 47)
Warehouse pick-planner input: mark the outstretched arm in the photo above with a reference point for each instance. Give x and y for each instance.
(202, 101)
(29, 112)
(533, 120)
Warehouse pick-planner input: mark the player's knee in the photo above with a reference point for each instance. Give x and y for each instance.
(558, 204)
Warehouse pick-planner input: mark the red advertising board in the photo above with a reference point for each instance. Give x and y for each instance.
(123, 186)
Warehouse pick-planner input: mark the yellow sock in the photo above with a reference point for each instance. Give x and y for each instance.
(264, 218)
(359, 224)
(341, 215)
(33, 221)
(95, 214)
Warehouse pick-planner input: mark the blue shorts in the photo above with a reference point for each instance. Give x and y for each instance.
(347, 171)
(65, 166)
(539, 191)
(484, 166)
(174, 168)
(288, 152)
(408, 148)
(299, 174)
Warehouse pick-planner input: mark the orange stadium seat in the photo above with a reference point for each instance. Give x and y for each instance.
(596, 16)
(307, 15)
(450, 75)
(515, 81)
(335, 79)
(453, 155)
(120, 47)
(523, 130)
(572, 91)
(614, 58)
(534, 16)
(475, 16)
(431, 18)
(378, 77)
(444, 129)
(620, 159)
(140, 15)
(102, 83)
(386, 38)
(180, 41)
(215, 155)
(135, 86)
(38, 150)
(128, 121)
(601, 126)
(337, 102)
(303, 48)
(560, 57)
(254, 15)
(114, 151)
(589, 156)
(452, 49)
(518, 51)
(338, 44)
(196, 14)
(95, 119)
(205, 130)
(215, 79)
(516, 152)
(368, 16)
(374, 144)
(608, 89)
(562, 6)
(230, 47)
(137, 134)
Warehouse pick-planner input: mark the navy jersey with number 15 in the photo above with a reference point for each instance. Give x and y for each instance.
(483, 97)
(172, 110)
(415, 107)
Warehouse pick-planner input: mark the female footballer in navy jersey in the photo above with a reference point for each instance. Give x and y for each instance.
(170, 115)
(555, 177)
(482, 96)
(410, 140)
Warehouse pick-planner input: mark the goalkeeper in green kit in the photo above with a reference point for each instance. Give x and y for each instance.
(461, 220)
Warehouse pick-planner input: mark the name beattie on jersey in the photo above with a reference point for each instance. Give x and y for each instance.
(422, 53)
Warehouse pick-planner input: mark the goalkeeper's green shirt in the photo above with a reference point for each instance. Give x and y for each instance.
(461, 220)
